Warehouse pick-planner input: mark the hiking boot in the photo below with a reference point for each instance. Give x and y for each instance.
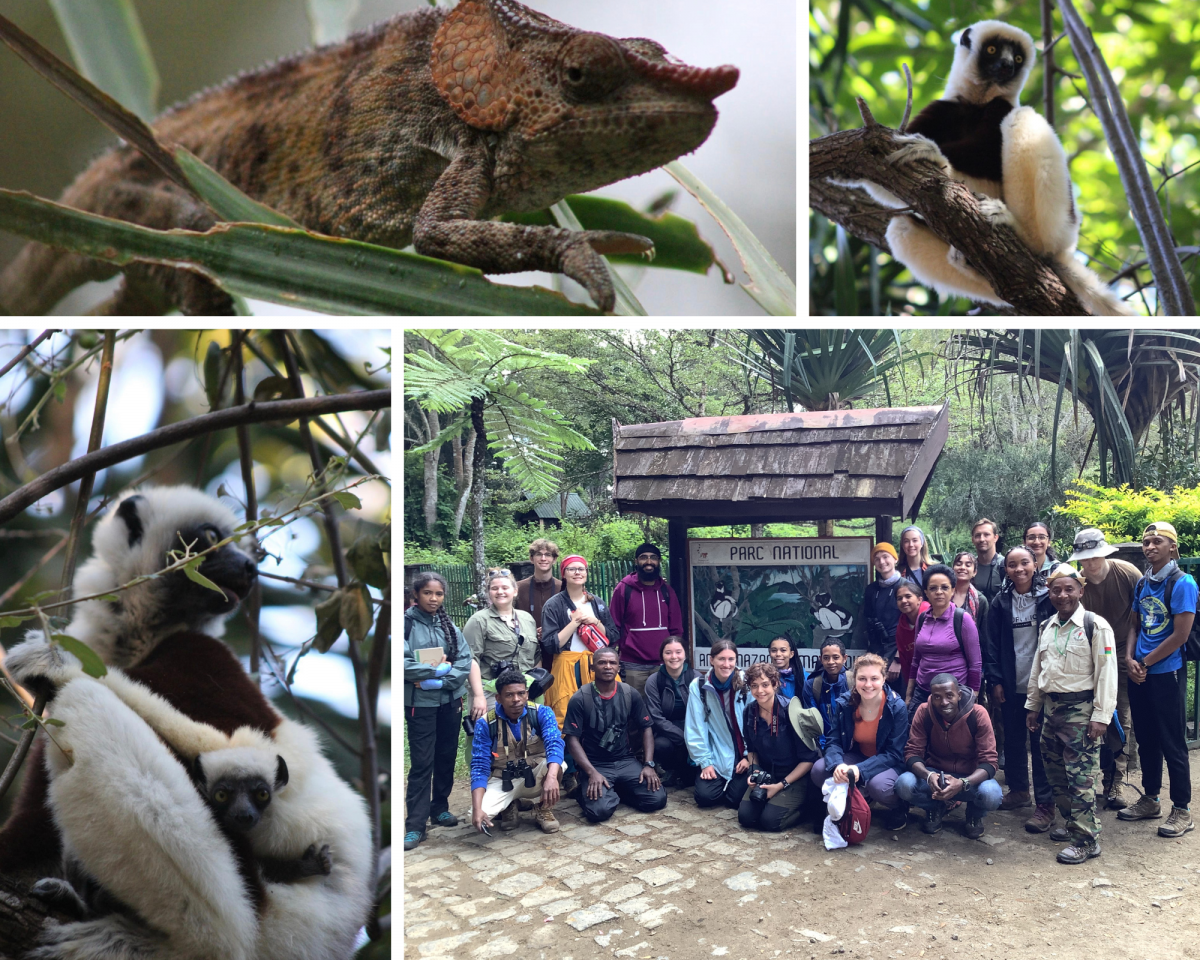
(1042, 819)
(1147, 808)
(895, 820)
(509, 820)
(544, 818)
(973, 827)
(1015, 799)
(1178, 823)
(933, 818)
(524, 805)
(568, 784)
(1113, 799)
(1081, 851)
(412, 838)
(444, 819)
(1060, 835)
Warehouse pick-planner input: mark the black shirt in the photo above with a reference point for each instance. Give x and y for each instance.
(778, 752)
(590, 716)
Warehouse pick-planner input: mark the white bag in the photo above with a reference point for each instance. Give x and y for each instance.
(835, 802)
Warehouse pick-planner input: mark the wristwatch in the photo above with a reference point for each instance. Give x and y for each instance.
(651, 764)
(1141, 662)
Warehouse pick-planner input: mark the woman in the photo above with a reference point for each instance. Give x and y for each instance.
(1015, 620)
(666, 697)
(499, 633)
(915, 553)
(562, 617)
(870, 730)
(1037, 538)
(911, 603)
(433, 697)
(943, 644)
(716, 710)
(773, 747)
(880, 613)
(786, 662)
(966, 596)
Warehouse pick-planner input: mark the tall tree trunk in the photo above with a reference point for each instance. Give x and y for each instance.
(431, 482)
(478, 463)
(464, 488)
(456, 463)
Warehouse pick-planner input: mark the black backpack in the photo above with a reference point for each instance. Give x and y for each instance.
(1191, 646)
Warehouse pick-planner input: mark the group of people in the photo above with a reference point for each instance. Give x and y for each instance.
(1069, 662)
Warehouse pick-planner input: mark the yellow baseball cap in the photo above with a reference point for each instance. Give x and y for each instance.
(1161, 530)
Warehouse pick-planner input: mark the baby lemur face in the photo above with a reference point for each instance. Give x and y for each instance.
(238, 794)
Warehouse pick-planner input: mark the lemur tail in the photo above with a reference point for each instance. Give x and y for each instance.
(1097, 299)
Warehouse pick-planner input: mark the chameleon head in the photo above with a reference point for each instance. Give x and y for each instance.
(578, 109)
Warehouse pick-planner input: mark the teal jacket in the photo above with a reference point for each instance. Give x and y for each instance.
(421, 631)
(708, 733)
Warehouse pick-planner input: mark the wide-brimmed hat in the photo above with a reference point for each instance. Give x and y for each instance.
(807, 723)
(1090, 543)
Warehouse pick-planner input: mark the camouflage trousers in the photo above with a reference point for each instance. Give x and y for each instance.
(1072, 764)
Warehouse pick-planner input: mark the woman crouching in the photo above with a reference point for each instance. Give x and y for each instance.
(778, 757)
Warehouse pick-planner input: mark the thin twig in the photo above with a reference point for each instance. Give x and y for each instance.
(18, 757)
(254, 600)
(29, 574)
(25, 351)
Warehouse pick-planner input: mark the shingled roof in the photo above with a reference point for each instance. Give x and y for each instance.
(827, 465)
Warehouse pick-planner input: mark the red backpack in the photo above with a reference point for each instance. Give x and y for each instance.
(856, 821)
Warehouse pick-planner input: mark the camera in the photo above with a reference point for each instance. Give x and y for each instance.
(500, 666)
(513, 770)
(759, 778)
(611, 737)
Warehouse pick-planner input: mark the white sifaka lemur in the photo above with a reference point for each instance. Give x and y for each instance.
(117, 787)
(980, 134)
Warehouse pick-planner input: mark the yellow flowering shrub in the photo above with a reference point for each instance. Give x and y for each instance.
(1123, 513)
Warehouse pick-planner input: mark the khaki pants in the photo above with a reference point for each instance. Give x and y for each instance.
(636, 674)
(1127, 762)
(496, 798)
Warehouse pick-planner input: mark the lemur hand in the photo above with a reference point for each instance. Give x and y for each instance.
(443, 669)
(34, 663)
(430, 684)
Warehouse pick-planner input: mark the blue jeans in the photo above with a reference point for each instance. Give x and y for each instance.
(978, 799)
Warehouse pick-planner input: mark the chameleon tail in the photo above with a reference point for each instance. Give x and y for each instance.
(40, 276)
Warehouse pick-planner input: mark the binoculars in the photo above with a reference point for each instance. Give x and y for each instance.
(512, 771)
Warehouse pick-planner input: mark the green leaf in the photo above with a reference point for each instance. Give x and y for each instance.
(197, 577)
(329, 626)
(272, 388)
(355, 611)
(92, 665)
(286, 266)
(54, 722)
(107, 43)
(42, 595)
(213, 364)
(348, 500)
(227, 200)
(30, 724)
(367, 562)
(13, 621)
(109, 598)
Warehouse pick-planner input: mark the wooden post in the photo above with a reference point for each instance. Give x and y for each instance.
(677, 528)
(883, 529)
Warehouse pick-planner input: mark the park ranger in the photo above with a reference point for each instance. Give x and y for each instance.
(1074, 683)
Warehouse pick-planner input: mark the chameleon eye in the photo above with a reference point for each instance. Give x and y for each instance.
(592, 67)
(220, 796)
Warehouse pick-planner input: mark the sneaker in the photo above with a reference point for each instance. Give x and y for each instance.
(1147, 808)
(1113, 799)
(509, 819)
(895, 820)
(544, 818)
(1015, 799)
(444, 819)
(412, 838)
(973, 827)
(1081, 851)
(933, 819)
(1178, 823)
(1060, 835)
(1042, 819)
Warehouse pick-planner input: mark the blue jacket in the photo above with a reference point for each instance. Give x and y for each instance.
(421, 631)
(481, 745)
(829, 695)
(889, 743)
(709, 738)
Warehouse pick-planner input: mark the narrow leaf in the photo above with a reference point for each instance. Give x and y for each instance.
(229, 203)
(348, 500)
(92, 665)
(197, 577)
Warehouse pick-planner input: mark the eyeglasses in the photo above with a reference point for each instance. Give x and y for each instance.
(1090, 544)
(575, 569)
(1037, 537)
(646, 556)
(502, 572)
(545, 556)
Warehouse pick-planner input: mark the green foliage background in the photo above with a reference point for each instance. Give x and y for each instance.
(1153, 50)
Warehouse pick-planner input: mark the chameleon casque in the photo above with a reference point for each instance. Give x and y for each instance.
(417, 130)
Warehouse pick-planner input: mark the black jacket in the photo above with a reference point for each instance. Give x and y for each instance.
(989, 579)
(880, 616)
(999, 654)
(660, 701)
(556, 614)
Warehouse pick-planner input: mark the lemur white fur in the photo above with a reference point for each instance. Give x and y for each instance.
(1034, 197)
(317, 918)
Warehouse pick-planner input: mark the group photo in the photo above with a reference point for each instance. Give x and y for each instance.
(767, 642)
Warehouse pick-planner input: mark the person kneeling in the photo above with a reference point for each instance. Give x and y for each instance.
(778, 757)
(950, 758)
(516, 754)
(599, 717)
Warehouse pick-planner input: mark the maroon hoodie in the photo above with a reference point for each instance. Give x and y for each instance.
(644, 618)
(953, 748)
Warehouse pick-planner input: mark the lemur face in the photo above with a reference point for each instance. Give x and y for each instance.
(239, 797)
(999, 60)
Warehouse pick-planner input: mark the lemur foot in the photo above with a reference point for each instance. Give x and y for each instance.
(60, 895)
(318, 860)
(919, 148)
(996, 211)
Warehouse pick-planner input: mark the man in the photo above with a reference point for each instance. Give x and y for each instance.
(597, 726)
(1109, 594)
(950, 756)
(646, 612)
(525, 737)
(1165, 601)
(989, 565)
(533, 592)
(1074, 680)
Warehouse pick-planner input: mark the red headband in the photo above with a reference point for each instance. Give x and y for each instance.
(571, 559)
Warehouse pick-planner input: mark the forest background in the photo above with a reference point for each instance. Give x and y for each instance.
(856, 50)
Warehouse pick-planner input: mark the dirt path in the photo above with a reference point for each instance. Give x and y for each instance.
(687, 883)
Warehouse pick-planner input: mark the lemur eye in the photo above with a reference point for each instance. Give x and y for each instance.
(263, 796)
(1019, 58)
(211, 536)
(991, 49)
(220, 796)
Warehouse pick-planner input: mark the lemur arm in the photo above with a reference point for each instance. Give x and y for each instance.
(314, 863)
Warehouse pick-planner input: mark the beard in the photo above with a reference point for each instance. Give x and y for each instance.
(648, 570)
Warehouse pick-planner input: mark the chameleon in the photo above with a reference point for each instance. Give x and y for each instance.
(417, 130)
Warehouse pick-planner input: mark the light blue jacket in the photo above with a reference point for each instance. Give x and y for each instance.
(709, 737)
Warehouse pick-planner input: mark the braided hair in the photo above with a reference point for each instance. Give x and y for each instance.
(441, 618)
